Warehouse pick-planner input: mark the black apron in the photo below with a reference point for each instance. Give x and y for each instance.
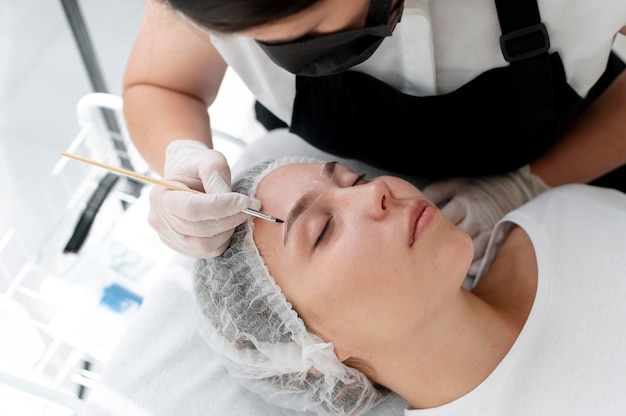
(498, 122)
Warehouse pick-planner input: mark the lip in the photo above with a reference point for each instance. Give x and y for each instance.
(418, 220)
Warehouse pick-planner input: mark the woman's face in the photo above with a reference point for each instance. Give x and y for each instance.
(362, 261)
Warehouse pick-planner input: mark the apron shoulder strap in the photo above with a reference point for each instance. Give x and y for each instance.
(525, 45)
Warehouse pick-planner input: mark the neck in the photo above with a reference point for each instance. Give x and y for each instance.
(432, 370)
(465, 342)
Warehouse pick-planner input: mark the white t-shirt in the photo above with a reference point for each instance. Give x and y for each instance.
(570, 357)
(438, 46)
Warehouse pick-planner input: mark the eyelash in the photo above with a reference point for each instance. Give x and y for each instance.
(359, 179)
(320, 238)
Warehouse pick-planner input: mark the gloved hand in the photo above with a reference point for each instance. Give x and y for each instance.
(476, 204)
(198, 225)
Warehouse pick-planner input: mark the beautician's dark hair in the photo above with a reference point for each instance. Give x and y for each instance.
(235, 15)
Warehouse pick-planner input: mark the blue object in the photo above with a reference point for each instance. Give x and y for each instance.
(120, 299)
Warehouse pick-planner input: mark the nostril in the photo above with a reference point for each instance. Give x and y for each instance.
(382, 202)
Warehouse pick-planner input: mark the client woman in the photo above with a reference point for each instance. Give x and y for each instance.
(361, 292)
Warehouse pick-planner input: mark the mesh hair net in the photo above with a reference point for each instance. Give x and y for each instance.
(247, 320)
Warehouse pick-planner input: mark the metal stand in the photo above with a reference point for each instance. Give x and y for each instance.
(131, 187)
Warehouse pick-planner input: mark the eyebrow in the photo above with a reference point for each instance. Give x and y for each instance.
(304, 202)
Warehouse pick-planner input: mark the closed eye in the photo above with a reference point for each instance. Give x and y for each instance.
(320, 238)
(359, 179)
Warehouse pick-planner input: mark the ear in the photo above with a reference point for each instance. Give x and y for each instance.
(341, 354)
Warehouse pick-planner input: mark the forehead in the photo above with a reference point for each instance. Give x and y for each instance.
(278, 191)
(288, 179)
(280, 188)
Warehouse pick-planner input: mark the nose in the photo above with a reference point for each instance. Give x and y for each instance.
(374, 198)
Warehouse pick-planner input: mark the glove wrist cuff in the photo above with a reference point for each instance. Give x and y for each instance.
(534, 183)
(184, 152)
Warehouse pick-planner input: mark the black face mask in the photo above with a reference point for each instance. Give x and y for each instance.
(337, 52)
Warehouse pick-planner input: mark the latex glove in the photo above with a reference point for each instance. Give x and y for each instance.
(476, 204)
(197, 225)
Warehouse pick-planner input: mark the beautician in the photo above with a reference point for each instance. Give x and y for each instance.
(508, 98)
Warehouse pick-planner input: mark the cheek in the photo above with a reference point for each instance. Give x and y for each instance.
(364, 258)
(402, 189)
(354, 276)
(352, 303)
